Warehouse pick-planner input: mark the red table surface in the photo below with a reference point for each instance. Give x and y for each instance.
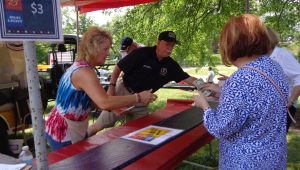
(168, 156)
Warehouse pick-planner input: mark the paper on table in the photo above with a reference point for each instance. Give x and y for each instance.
(12, 166)
(152, 134)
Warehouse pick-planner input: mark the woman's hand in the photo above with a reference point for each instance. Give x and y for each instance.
(214, 88)
(200, 101)
(147, 97)
(223, 77)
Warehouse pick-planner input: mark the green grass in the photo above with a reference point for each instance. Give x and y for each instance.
(203, 157)
(293, 139)
(50, 105)
(164, 94)
(203, 71)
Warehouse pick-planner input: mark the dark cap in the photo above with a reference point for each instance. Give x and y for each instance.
(126, 42)
(168, 36)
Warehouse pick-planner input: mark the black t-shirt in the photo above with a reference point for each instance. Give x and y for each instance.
(143, 71)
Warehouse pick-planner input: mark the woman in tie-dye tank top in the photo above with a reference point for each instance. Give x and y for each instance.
(80, 89)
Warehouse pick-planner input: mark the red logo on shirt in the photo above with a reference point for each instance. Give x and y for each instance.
(13, 5)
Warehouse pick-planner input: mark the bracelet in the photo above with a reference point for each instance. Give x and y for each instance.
(112, 84)
(138, 98)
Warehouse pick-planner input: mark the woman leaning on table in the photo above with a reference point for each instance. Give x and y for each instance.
(251, 116)
(79, 89)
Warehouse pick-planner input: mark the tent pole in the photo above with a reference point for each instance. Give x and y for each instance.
(77, 27)
(36, 108)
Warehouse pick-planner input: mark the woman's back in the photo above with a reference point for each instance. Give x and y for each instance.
(73, 104)
(254, 118)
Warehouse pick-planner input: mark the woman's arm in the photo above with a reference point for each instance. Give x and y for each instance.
(86, 79)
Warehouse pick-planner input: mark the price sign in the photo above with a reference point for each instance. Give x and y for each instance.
(30, 20)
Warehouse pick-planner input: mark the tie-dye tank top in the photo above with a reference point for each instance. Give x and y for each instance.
(70, 103)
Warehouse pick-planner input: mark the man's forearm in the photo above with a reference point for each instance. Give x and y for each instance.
(190, 80)
(295, 93)
(115, 74)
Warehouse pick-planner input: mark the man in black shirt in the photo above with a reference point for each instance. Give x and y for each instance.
(146, 68)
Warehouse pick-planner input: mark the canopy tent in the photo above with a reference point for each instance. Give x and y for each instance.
(94, 5)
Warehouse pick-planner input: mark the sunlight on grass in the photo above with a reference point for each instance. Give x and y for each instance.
(164, 94)
(203, 71)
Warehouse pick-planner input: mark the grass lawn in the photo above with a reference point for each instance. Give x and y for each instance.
(293, 139)
(202, 72)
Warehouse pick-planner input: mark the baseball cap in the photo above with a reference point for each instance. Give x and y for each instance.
(168, 36)
(126, 42)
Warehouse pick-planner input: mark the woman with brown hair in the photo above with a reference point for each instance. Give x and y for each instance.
(251, 116)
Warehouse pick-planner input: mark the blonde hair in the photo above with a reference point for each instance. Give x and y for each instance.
(89, 47)
(243, 36)
(274, 40)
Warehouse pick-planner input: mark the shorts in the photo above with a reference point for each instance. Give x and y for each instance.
(54, 144)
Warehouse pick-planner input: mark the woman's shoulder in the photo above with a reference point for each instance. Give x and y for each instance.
(269, 67)
(266, 64)
(79, 66)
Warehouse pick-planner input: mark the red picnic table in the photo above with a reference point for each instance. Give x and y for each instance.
(166, 156)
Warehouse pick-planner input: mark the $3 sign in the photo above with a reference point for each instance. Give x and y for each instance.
(36, 8)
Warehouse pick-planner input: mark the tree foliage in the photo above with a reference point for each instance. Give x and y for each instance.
(197, 23)
(282, 16)
(70, 24)
(42, 52)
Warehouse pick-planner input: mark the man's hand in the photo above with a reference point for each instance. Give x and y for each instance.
(147, 96)
(290, 103)
(111, 90)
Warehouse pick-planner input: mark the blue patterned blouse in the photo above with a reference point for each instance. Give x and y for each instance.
(70, 103)
(250, 121)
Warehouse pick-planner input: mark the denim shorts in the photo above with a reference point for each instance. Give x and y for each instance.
(54, 144)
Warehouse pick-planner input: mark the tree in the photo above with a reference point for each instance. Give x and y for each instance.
(282, 16)
(42, 52)
(69, 21)
(197, 23)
